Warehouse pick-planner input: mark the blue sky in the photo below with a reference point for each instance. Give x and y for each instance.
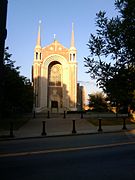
(57, 17)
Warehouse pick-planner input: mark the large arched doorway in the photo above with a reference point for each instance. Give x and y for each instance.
(55, 93)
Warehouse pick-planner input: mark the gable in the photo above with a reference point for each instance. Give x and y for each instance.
(55, 48)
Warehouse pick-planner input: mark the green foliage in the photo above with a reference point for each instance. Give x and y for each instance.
(112, 53)
(98, 102)
(124, 80)
(16, 90)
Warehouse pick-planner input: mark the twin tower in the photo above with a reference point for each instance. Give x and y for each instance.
(54, 74)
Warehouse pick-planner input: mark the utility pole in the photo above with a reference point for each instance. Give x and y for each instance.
(3, 30)
(3, 35)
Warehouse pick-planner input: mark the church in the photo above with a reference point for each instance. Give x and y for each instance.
(54, 76)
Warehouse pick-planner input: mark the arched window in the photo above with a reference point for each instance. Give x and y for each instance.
(36, 55)
(70, 57)
(73, 57)
(55, 75)
(40, 56)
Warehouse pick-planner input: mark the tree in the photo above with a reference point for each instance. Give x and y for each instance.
(120, 88)
(112, 53)
(17, 92)
(98, 102)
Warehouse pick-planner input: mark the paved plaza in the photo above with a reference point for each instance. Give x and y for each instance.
(56, 125)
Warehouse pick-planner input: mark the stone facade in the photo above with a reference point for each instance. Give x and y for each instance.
(54, 74)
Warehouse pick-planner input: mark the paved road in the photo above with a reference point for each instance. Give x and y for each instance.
(105, 156)
(45, 143)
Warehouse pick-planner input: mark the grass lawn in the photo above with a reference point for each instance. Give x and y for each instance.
(17, 122)
(109, 121)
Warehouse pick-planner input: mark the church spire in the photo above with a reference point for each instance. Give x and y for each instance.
(72, 37)
(72, 49)
(39, 36)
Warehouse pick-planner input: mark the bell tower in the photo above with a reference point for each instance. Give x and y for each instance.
(37, 52)
(37, 69)
(73, 70)
(72, 50)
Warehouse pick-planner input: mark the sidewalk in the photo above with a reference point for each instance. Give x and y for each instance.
(55, 126)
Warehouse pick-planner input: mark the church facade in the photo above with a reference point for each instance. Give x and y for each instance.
(54, 75)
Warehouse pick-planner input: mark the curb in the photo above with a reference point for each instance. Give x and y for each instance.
(8, 138)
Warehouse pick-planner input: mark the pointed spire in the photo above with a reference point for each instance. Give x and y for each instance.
(39, 36)
(72, 36)
(54, 36)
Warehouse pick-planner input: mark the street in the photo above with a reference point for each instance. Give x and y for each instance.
(100, 156)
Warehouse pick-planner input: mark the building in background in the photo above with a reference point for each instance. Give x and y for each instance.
(54, 75)
(81, 97)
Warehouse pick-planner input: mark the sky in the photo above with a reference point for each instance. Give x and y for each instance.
(57, 16)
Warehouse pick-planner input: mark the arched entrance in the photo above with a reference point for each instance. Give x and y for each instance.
(55, 92)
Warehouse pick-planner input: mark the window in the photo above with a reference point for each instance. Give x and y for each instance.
(73, 57)
(55, 75)
(40, 56)
(70, 57)
(36, 55)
